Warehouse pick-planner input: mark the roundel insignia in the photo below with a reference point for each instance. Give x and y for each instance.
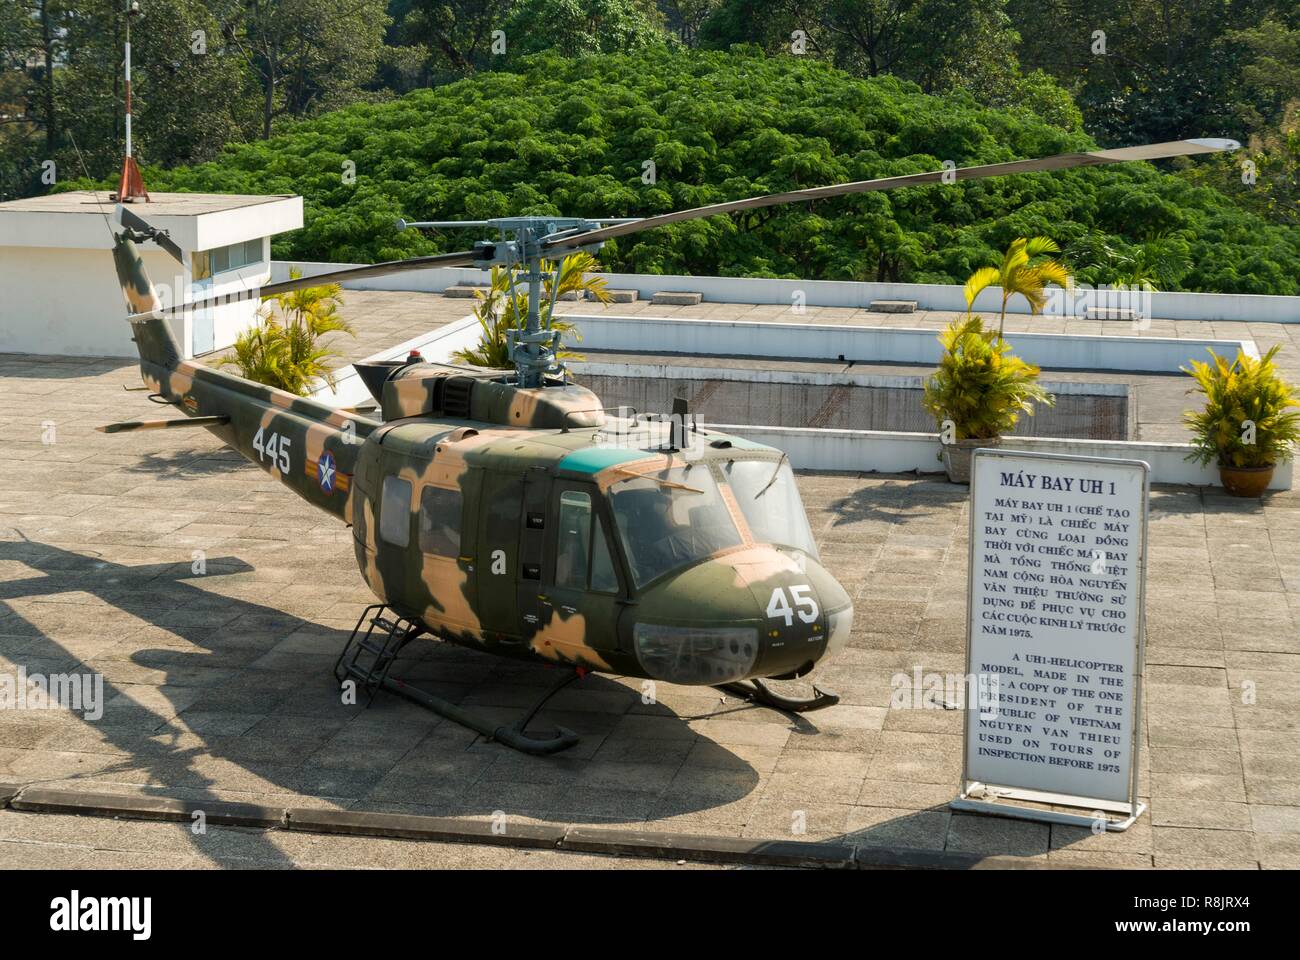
(325, 472)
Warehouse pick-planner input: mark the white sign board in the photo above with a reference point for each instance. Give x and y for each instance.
(1054, 627)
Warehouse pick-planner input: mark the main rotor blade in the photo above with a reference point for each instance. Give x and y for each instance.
(1063, 161)
(460, 259)
(136, 222)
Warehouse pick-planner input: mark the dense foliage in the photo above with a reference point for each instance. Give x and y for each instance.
(572, 136)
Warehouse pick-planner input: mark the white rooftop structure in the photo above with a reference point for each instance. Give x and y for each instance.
(59, 293)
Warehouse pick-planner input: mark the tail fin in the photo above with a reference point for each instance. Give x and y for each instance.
(149, 328)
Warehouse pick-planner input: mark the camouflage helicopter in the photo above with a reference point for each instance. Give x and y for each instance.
(507, 512)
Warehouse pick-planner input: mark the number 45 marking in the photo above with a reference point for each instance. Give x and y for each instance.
(779, 605)
(275, 449)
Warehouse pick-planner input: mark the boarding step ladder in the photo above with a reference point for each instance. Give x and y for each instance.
(368, 656)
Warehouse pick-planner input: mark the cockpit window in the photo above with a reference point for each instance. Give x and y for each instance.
(670, 518)
(770, 501)
(580, 547)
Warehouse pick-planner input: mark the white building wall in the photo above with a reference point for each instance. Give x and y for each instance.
(59, 293)
(37, 315)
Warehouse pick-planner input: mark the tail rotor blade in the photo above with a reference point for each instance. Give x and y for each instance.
(134, 221)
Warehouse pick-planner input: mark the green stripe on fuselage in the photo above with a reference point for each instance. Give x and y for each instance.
(596, 459)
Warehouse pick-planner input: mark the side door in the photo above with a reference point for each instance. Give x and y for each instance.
(446, 538)
(533, 525)
(581, 580)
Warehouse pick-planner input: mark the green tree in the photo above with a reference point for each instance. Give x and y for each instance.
(67, 84)
(306, 55)
(573, 136)
(457, 34)
(938, 44)
(583, 26)
(27, 49)
(685, 17)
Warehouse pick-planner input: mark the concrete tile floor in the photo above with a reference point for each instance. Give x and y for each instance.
(218, 685)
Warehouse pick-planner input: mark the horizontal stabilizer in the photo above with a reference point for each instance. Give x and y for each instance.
(127, 425)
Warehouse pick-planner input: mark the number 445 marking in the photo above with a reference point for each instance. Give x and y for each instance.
(275, 449)
(804, 605)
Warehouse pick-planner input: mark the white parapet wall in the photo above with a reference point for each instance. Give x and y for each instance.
(1243, 308)
(805, 341)
(882, 451)
(59, 292)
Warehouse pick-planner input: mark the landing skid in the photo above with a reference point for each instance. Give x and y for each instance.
(373, 676)
(514, 735)
(756, 691)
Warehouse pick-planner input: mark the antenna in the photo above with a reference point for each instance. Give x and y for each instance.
(130, 185)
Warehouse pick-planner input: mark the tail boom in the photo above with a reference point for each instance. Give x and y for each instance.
(308, 446)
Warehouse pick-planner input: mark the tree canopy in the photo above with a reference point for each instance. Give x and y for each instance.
(584, 136)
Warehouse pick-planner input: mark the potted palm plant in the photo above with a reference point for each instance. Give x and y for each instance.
(282, 348)
(1026, 269)
(978, 392)
(981, 388)
(1248, 425)
(505, 305)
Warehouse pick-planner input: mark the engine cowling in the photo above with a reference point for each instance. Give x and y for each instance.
(420, 389)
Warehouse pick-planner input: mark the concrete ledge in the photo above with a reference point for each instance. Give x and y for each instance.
(671, 846)
(55, 800)
(677, 298)
(892, 306)
(868, 344)
(884, 858)
(622, 296)
(413, 827)
(1111, 313)
(464, 291)
(841, 854)
(897, 451)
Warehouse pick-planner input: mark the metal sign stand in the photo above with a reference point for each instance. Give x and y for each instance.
(987, 798)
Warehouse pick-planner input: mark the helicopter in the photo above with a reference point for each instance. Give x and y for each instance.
(507, 511)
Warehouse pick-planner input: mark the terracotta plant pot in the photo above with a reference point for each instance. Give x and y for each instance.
(1245, 481)
(956, 457)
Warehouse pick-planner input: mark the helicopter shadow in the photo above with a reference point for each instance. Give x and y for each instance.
(193, 464)
(213, 697)
(880, 504)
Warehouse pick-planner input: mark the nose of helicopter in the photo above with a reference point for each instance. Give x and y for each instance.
(759, 612)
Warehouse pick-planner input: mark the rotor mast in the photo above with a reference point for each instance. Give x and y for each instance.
(534, 349)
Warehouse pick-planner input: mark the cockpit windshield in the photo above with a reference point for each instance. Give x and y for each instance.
(770, 501)
(670, 518)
